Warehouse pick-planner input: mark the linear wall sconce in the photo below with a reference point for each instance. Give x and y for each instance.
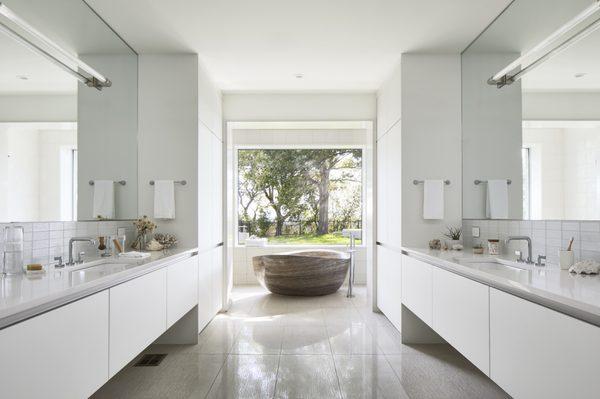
(96, 79)
(504, 77)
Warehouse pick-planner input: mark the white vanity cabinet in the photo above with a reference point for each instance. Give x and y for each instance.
(389, 284)
(60, 354)
(417, 287)
(461, 315)
(182, 288)
(138, 315)
(539, 353)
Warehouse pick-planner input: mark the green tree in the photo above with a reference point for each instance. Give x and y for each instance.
(280, 176)
(323, 162)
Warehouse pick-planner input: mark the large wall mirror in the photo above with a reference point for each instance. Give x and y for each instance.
(531, 113)
(64, 132)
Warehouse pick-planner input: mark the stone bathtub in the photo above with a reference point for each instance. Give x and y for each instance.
(302, 273)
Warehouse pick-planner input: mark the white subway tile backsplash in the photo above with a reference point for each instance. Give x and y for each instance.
(570, 226)
(590, 226)
(548, 237)
(43, 241)
(553, 225)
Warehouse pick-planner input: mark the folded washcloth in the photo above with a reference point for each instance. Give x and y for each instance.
(135, 255)
(585, 267)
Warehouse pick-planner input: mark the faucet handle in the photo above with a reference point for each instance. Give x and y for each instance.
(80, 256)
(60, 263)
(541, 261)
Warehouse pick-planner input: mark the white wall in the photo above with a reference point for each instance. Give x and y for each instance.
(299, 107)
(431, 141)
(107, 135)
(542, 106)
(38, 108)
(492, 134)
(168, 137)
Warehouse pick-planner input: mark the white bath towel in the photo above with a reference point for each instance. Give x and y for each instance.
(164, 199)
(433, 199)
(104, 199)
(496, 205)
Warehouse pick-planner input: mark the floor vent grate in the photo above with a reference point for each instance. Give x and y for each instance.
(150, 360)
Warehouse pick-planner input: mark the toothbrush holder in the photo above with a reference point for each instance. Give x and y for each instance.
(566, 259)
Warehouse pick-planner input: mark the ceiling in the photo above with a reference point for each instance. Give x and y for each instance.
(24, 72)
(335, 45)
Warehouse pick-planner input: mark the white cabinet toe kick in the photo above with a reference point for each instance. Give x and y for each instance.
(529, 350)
(72, 350)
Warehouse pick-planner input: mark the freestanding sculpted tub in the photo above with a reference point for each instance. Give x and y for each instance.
(303, 273)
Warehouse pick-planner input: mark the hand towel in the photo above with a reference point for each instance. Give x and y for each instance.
(164, 199)
(104, 199)
(496, 206)
(433, 199)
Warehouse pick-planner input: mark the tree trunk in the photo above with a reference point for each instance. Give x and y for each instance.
(323, 226)
(278, 227)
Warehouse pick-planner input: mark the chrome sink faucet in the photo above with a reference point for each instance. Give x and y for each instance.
(529, 250)
(71, 242)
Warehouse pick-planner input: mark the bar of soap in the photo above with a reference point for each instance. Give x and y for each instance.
(34, 267)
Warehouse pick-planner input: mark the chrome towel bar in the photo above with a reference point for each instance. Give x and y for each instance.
(182, 182)
(121, 182)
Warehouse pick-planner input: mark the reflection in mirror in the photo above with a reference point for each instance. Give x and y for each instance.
(536, 123)
(68, 114)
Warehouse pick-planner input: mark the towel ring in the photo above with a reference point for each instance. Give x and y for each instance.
(182, 182)
(121, 182)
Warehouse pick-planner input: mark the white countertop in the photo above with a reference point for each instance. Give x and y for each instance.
(572, 294)
(25, 296)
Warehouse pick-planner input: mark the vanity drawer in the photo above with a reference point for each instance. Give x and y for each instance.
(182, 288)
(417, 287)
(138, 315)
(59, 354)
(539, 353)
(461, 316)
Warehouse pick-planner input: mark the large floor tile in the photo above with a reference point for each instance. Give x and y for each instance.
(258, 339)
(308, 340)
(352, 339)
(307, 377)
(246, 376)
(178, 376)
(305, 317)
(442, 376)
(367, 376)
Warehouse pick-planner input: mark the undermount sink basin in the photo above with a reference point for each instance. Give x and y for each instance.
(498, 267)
(95, 270)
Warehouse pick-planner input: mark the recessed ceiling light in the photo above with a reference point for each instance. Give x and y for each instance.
(580, 74)
(299, 75)
(22, 77)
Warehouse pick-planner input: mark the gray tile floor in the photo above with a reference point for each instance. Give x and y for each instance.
(270, 346)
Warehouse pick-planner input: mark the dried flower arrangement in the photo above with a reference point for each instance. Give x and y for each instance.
(167, 240)
(144, 226)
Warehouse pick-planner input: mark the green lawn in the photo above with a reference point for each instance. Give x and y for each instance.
(311, 239)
